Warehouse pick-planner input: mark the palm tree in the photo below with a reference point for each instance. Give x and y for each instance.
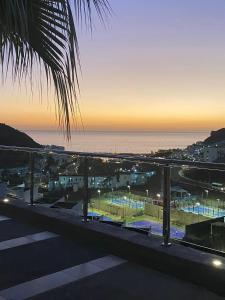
(43, 32)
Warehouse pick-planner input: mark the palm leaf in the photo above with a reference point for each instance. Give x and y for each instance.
(44, 32)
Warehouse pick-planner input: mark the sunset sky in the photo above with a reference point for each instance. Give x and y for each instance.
(156, 65)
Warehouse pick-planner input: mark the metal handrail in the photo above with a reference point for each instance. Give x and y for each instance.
(131, 157)
(166, 164)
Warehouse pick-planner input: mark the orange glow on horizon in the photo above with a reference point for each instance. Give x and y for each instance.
(119, 112)
(42, 118)
(154, 69)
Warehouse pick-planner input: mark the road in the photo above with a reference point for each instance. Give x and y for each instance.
(179, 178)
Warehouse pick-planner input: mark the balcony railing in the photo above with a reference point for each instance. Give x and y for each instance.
(176, 199)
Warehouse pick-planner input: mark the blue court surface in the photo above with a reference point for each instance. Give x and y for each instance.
(127, 202)
(205, 211)
(94, 214)
(157, 228)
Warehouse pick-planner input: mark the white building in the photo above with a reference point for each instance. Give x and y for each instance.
(179, 193)
(21, 171)
(117, 181)
(210, 154)
(54, 147)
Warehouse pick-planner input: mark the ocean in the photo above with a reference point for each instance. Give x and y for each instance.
(117, 142)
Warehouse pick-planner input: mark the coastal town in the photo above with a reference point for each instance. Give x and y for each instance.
(121, 190)
(210, 150)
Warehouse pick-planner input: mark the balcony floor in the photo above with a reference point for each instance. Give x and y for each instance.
(37, 264)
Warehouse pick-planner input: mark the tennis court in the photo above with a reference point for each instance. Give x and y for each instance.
(205, 211)
(157, 228)
(127, 202)
(94, 214)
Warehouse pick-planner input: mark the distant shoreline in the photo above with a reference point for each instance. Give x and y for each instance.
(119, 131)
(119, 142)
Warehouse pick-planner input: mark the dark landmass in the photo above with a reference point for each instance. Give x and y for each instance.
(217, 136)
(10, 136)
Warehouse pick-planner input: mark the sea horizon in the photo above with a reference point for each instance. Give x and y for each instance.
(118, 130)
(119, 141)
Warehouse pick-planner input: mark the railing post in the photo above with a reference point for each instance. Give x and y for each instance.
(86, 194)
(166, 205)
(31, 178)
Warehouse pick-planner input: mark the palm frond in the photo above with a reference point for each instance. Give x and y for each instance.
(44, 32)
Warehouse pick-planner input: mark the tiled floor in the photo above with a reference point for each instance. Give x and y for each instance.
(4, 218)
(40, 265)
(27, 239)
(61, 278)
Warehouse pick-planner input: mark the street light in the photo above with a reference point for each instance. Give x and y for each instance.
(207, 194)
(124, 212)
(99, 192)
(92, 206)
(158, 196)
(217, 263)
(128, 188)
(198, 205)
(218, 200)
(146, 195)
(189, 201)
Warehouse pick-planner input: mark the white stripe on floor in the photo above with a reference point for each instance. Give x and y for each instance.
(28, 239)
(3, 218)
(46, 283)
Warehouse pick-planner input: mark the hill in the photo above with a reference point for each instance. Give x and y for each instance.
(217, 136)
(10, 136)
